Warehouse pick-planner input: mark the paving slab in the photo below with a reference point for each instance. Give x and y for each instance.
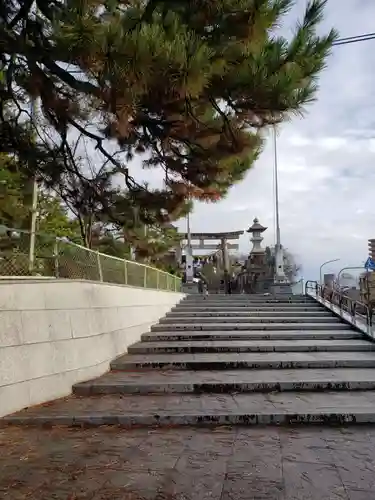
(227, 361)
(212, 346)
(220, 325)
(284, 408)
(110, 463)
(230, 381)
(251, 335)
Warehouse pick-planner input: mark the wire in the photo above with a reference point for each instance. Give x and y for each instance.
(355, 36)
(341, 41)
(354, 39)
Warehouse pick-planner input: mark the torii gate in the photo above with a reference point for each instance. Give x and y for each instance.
(223, 245)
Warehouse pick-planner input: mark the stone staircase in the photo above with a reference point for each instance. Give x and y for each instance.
(228, 360)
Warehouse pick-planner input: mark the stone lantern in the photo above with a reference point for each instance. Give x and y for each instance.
(256, 239)
(257, 268)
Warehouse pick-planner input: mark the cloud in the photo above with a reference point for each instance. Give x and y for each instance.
(326, 161)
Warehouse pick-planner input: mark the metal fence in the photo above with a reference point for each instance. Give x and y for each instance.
(59, 258)
(356, 312)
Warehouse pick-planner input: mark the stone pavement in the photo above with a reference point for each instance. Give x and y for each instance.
(239, 463)
(228, 360)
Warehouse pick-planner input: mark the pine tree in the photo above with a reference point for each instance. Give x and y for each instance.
(190, 83)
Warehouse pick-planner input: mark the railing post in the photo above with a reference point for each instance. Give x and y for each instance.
(354, 310)
(158, 279)
(145, 277)
(56, 257)
(125, 272)
(100, 271)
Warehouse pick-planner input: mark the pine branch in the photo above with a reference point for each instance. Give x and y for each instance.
(151, 78)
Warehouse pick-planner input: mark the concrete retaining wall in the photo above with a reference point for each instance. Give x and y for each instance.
(54, 333)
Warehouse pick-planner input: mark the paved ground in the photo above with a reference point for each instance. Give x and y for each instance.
(183, 464)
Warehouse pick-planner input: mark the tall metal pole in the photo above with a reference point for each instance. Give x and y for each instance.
(189, 253)
(34, 206)
(280, 276)
(188, 231)
(347, 269)
(278, 239)
(34, 202)
(321, 267)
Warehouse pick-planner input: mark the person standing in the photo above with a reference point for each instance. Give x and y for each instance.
(202, 284)
(227, 282)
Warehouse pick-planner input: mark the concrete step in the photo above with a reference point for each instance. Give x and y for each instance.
(168, 327)
(212, 346)
(229, 382)
(248, 314)
(246, 307)
(255, 296)
(245, 361)
(224, 305)
(238, 299)
(229, 335)
(176, 318)
(284, 408)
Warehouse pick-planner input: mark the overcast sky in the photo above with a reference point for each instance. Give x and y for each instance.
(326, 161)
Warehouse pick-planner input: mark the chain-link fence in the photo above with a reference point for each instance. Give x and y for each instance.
(59, 258)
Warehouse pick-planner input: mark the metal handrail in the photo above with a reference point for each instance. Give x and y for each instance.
(332, 297)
